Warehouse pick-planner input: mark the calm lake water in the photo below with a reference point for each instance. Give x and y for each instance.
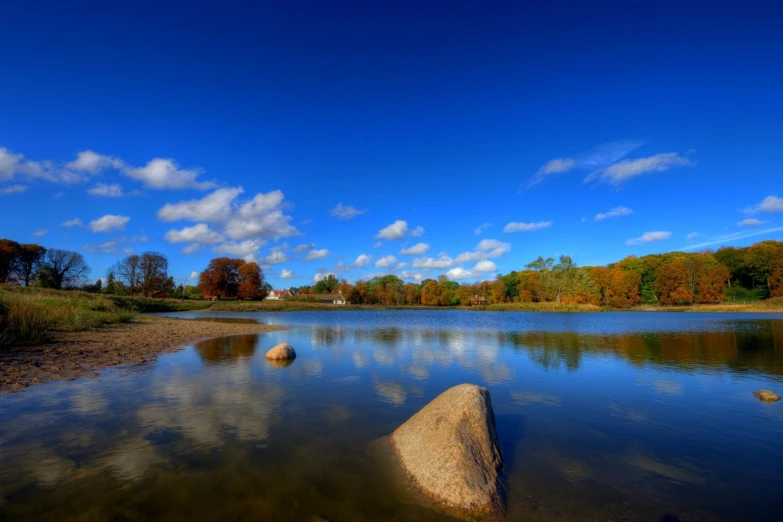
(608, 416)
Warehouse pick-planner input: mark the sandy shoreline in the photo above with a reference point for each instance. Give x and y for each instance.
(71, 355)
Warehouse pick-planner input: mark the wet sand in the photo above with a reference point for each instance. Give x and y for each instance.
(71, 355)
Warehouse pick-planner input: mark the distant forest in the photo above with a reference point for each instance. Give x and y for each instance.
(675, 278)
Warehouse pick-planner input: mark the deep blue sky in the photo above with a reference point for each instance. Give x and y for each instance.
(440, 114)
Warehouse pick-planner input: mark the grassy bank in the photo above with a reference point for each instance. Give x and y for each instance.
(533, 307)
(28, 316)
(774, 305)
(148, 305)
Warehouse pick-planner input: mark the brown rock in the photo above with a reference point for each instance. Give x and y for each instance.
(281, 351)
(766, 396)
(450, 450)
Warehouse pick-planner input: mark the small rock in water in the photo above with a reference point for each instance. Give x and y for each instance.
(280, 352)
(450, 449)
(767, 396)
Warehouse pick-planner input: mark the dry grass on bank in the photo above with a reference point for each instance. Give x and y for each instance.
(774, 305)
(533, 307)
(27, 317)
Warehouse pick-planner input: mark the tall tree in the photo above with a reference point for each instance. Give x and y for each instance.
(128, 270)
(251, 282)
(673, 284)
(61, 269)
(327, 285)
(758, 258)
(558, 278)
(112, 287)
(28, 260)
(9, 250)
(154, 269)
(220, 278)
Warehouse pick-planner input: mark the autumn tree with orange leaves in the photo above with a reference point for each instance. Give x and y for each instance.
(225, 277)
(617, 288)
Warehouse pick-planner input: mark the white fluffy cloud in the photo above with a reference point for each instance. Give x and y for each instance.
(9, 163)
(214, 207)
(94, 163)
(274, 258)
(479, 270)
(109, 223)
(304, 248)
(412, 276)
(385, 262)
(316, 254)
(768, 204)
(751, 222)
(398, 230)
(246, 223)
(649, 237)
(416, 250)
(75, 222)
(624, 170)
(526, 227)
(199, 233)
(193, 275)
(165, 173)
(287, 274)
(16, 165)
(108, 191)
(41, 232)
(362, 260)
(483, 267)
(320, 276)
(486, 249)
(345, 212)
(615, 212)
(13, 189)
(245, 249)
(441, 262)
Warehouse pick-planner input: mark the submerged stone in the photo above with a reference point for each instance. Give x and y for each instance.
(282, 351)
(766, 396)
(450, 450)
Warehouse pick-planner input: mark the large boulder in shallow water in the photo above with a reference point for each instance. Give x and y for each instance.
(450, 450)
(282, 351)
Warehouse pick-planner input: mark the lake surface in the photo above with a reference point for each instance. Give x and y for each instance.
(606, 416)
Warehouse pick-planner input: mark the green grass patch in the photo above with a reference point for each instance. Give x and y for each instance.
(29, 315)
(149, 305)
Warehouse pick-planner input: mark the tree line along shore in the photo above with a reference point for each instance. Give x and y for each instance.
(37, 287)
